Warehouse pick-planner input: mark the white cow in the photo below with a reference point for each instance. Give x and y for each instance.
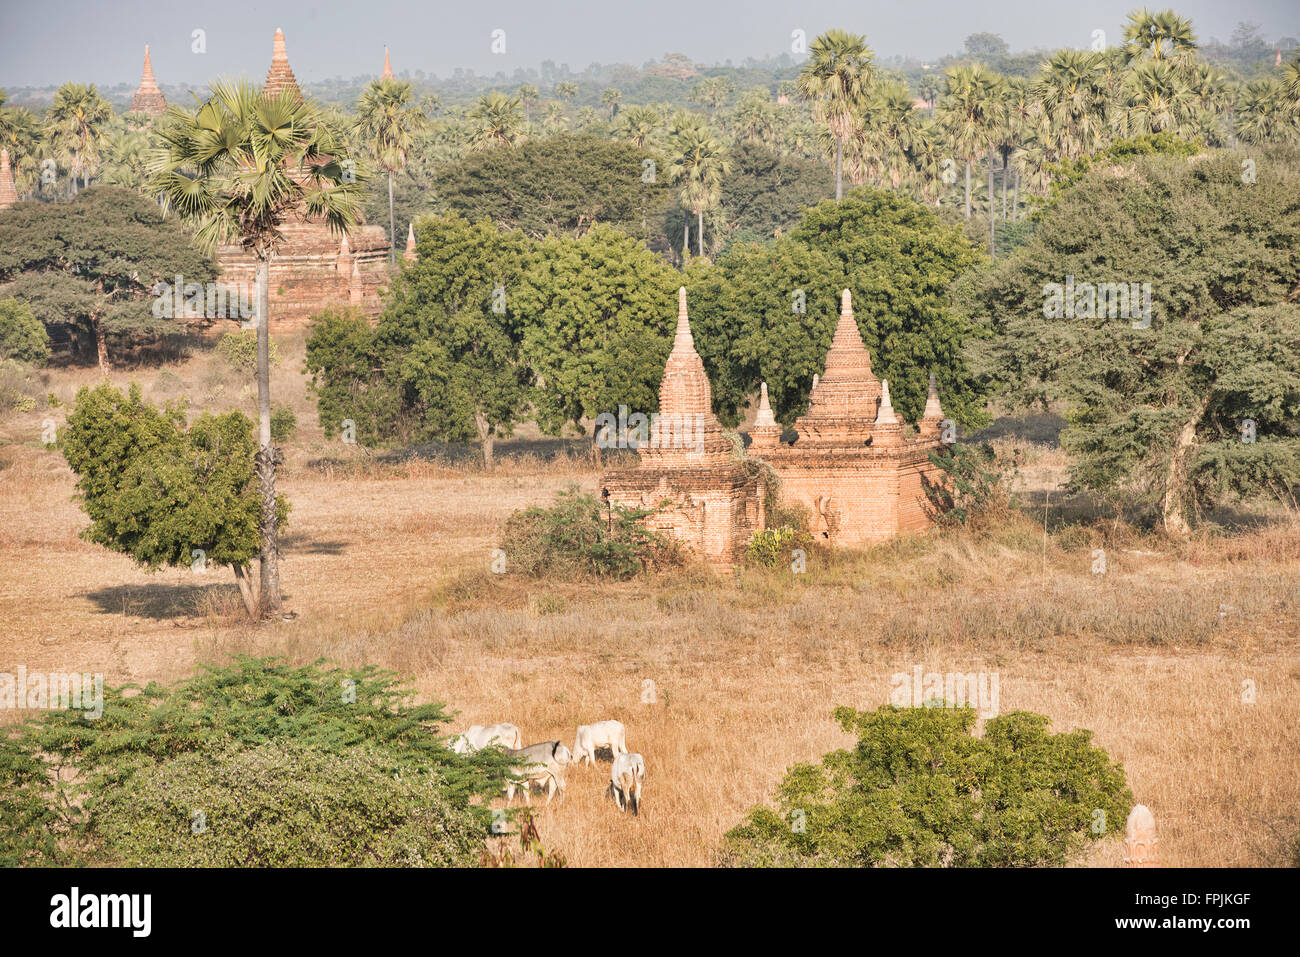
(541, 763)
(602, 734)
(625, 780)
(477, 737)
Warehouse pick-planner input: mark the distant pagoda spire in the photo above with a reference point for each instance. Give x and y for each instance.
(280, 77)
(764, 433)
(148, 98)
(409, 255)
(932, 417)
(388, 66)
(8, 192)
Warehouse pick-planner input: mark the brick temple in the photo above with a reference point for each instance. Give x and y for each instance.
(313, 267)
(148, 98)
(854, 465)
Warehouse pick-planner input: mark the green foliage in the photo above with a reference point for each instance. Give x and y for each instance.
(1119, 153)
(580, 537)
(1156, 413)
(22, 337)
(919, 789)
(766, 194)
(282, 805)
(312, 765)
(239, 351)
(772, 547)
(155, 490)
(283, 424)
(975, 488)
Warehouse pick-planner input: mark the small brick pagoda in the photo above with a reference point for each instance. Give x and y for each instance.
(854, 464)
(148, 98)
(8, 191)
(313, 266)
(690, 471)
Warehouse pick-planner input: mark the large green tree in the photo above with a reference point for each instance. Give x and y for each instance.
(1198, 396)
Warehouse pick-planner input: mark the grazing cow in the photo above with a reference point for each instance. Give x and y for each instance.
(477, 737)
(543, 763)
(602, 734)
(626, 777)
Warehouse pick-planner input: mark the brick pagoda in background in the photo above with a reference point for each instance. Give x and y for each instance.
(313, 266)
(148, 98)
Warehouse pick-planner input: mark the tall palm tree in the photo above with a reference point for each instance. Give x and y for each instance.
(1158, 36)
(20, 134)
(610, 98)
(238, 168)
(553, 118)
(76, 124)
(496, 120)
(566, 90)
(387, 121)
(836, 79)
(970, 111)
(1263, 113)
(889, 123)
(699, 164)
(639, 124)
(755, 119)
(528, 95)
(1157, 100)
(1072, 92)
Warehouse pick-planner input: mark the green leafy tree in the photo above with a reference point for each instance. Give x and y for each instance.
(597, 315)
(1191, 392)
(162, 493)
(919, 790)
(93, 264)
(238, 168)
(22, 336)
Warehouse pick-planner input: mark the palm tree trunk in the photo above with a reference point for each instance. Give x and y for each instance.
(699, 238)
(392, 235)
(269, 524)
(1015, 197)
(839, 169)
(968, 189)
(686, 238)
(992, 241)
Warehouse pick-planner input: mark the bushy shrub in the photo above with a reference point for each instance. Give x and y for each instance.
(282, 805)
(776, 546)
(974, 489)
(22, 336)
(919, 789)
(239, 351)
(579, 536)
(18, 387)
(283, 424)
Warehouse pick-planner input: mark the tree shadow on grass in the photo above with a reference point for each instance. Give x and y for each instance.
(305, 546)
(163, 601)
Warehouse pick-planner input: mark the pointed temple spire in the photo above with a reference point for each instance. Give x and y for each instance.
(280, 77)
(388, 66)
(932, 417)
(344, 262)
(8, 192)
(410, 255)
(355, 289)
(148, 98)
(842, 405)
(686, 431)
(765, 433)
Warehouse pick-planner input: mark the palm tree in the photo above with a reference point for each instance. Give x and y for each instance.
(75, 123)
(836, 79)
(889, 123)
(1072, 92)
(639, 124)
(566, 90)
(20, 134)
(553, 118)
(528, 97)
(970, 111)
(1157, 101)
(238, 168)
(1158, 36)
(387, 121)
(610, 98)
(496, 120)
(1264, 114)
(699, 164)
(755, 119)
(929, 88)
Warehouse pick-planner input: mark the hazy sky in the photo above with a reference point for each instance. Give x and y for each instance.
(52, 41)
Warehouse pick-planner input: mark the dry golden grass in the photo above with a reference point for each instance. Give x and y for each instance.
(388, 565)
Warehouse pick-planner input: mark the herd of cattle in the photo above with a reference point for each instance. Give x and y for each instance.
(544, 763)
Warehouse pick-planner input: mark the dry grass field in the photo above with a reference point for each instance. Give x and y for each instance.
(388, 565)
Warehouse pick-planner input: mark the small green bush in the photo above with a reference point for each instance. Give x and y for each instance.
(282, 805)
(22, 335)
(776, 546)
(239, 350)
(975, 489)
(283, 424)
(919, 789)
(579, 536)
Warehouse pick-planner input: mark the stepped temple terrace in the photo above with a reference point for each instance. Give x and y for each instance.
(313, 266)
(854, 465)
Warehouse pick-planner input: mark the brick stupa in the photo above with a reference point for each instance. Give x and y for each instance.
(8, 191)
(689, 472)
(388, 67)
(855, 465)
(313, 266)
(148, 98)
